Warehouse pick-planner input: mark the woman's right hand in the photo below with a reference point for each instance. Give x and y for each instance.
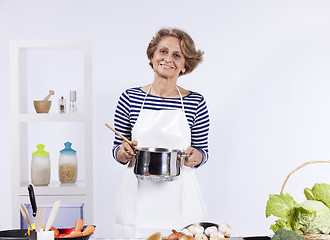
(125, 152)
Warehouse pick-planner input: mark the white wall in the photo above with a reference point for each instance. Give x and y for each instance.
(265, 78)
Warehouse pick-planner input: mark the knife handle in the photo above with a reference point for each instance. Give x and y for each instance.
(32, 200)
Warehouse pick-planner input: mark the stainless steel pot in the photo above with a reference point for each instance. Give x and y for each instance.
(155, 164)
(158, 164)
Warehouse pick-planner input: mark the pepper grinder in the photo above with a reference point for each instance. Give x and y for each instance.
(73, 101)
(62, 105)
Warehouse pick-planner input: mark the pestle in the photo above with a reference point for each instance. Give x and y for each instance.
(51, 92)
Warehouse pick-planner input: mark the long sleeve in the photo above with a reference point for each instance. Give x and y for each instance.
(122, 122)
(200, 131)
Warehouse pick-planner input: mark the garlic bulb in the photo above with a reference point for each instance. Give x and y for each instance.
(225, 229)
(210, 230)
(195, 229)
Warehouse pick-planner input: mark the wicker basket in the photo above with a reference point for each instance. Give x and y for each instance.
(308, 236)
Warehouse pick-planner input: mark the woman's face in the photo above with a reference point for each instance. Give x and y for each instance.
(168, 60)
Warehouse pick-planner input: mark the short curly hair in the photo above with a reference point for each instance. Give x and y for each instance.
(192, 56)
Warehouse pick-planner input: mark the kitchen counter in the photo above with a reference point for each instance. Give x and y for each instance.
(232, 238)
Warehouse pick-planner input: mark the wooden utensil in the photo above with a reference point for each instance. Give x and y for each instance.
(51, 92)
(39, 219)
(25, 215)
(125, 139)
(52, 215)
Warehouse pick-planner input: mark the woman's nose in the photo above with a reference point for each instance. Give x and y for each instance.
(167, 60)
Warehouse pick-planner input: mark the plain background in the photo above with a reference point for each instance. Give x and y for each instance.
(265, 77)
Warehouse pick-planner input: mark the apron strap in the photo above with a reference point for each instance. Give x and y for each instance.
(145, 97)
(181, 98)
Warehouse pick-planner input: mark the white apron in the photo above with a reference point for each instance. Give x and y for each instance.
(145, 207)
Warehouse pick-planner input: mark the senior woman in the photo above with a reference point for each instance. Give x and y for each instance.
(162, 115)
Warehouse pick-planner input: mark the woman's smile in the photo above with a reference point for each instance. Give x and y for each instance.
(166, 66)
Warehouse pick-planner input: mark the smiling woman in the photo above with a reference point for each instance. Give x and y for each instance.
(162, 115)
(192, 56)
(168, 60)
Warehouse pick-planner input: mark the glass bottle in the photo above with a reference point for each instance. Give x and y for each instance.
(67, 165)
(40, 167)
(73, 101)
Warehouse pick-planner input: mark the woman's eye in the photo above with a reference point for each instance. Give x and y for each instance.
(163, 51)
(177, 55)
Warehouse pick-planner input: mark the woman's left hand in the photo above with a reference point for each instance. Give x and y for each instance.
(195, 157)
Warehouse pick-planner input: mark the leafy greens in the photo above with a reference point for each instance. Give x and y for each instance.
(311, 216)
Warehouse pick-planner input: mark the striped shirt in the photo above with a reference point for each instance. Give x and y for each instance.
(129, 106)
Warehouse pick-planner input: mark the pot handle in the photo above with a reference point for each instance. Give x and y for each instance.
(182, 156)
(135, 152)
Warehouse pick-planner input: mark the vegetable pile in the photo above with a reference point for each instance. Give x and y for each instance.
(310, 217)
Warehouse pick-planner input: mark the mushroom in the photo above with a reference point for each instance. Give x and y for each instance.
(201, 236)
(210, 230)
(225, 229)
(195, 229)
(186, 232)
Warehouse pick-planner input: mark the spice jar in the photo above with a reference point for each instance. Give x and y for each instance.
(67, 168)
(40, 167)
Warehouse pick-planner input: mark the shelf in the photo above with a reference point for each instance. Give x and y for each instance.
(28, 127)
(51, 117)
(56, 189)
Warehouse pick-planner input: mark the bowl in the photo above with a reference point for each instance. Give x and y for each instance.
(203, 224)
(42, 106)
(14, 234)
(67, 231)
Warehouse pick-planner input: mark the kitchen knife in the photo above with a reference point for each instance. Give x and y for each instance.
(32, 200)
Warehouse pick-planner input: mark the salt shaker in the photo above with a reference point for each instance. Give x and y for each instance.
(67, 169)
(40, 167)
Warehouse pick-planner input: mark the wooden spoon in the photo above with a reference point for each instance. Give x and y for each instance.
(51, 92)
(52, 215)
(125, 139)
(25, 215)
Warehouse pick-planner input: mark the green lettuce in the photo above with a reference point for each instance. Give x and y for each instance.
(320, 192)
(311, 217)
(281, 206)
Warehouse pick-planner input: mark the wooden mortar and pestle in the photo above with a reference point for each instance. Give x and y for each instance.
(43, 106)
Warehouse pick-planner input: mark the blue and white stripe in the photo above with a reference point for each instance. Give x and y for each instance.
(129, 106)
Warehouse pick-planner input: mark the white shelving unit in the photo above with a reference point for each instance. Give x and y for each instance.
(81, 192)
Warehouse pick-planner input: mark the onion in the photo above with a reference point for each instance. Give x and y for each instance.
(186, 237)
(175, 235)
